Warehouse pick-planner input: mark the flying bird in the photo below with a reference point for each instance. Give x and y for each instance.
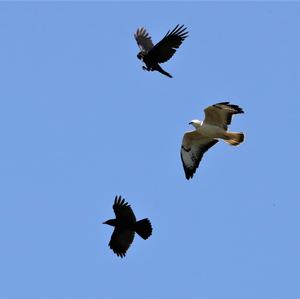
(196, 143)
(125, 227)
(152, 55)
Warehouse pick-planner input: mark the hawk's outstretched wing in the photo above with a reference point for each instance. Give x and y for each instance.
(192, 150)
(143, 40)
(166, 48)
(220, 114)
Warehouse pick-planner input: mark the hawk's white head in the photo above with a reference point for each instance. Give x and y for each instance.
(196, 123)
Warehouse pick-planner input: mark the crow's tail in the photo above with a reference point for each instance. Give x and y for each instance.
(143, 228)
(159, 69)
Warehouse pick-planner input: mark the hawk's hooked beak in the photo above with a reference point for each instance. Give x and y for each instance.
(190, 123)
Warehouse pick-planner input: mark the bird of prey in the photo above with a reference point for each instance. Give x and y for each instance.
(125, 227)
(196, 143)
(152, 55)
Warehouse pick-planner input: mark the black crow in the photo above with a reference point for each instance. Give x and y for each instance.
(125, 227)
(153, 55)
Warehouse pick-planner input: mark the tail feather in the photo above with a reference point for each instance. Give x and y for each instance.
(233, 138)
(143, 228)
(162, 71)
(166, 73)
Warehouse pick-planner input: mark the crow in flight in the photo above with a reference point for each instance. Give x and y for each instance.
(125, 227)
(153, 55)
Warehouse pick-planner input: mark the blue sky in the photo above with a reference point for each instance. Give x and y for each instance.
(80, 122)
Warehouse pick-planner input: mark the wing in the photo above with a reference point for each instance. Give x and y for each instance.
(123, 210)
(120, 241)
(143, 40)
(192, 150)
(166, 48)
(220, 114)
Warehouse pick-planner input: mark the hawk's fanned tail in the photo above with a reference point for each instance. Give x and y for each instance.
(233, 138)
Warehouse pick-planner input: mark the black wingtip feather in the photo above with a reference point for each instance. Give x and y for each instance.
(238, 109)
(119, 201)
(179, 31)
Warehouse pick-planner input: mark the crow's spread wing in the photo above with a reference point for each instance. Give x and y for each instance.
(120, 241)
(143, 40)
(166, 48)
(123, 210)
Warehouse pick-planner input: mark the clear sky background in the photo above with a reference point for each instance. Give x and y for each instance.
(81, 122)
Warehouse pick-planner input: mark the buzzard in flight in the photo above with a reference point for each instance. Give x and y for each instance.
(125, 227)
(196, 143)
(152, 55)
